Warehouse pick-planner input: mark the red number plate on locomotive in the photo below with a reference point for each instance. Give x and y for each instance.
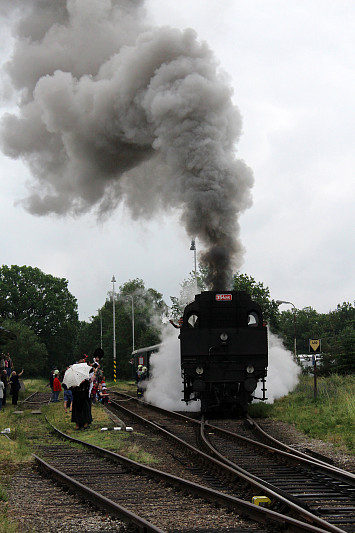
(223, 297)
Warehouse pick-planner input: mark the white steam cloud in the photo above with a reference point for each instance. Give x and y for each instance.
(164, 387)
(112, 110)
(283, 372)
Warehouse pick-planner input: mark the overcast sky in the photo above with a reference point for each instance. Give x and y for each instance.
(291, 66)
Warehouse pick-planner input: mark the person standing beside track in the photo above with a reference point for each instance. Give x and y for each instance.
(15, 386)
(98, 355)
(8, 365)
(51, 379)
(56, 386)
(4, 379)
(1, 392)
(68, 400)
(81, 406)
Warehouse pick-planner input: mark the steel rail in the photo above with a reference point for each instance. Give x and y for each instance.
(291, 455)
(98, 499)
(259, 485)
(293, 451)
(253, 512)
(27, 400)
(31, 399)
(338, 473)
(305, 512)
(307, 462)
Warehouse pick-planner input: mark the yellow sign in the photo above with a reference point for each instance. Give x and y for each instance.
(314, 345)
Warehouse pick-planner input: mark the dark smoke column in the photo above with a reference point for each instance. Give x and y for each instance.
(114, 110)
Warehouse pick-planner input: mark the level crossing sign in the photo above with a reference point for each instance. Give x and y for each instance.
(315, 345)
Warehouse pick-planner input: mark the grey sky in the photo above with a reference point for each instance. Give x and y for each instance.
(291, 65)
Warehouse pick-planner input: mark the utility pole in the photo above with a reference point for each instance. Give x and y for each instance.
(100, 315)
(279, 302)
(113, 281)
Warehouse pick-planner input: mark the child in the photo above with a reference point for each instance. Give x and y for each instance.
(68, 399)
(94, 391)
(104, 397)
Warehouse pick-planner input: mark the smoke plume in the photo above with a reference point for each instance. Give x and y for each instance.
(113, 110)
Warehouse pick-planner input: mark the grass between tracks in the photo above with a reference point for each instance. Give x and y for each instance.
(330, 417)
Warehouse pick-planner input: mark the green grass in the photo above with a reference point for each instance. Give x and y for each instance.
(329, 415)
(7, 525)
(27, 430)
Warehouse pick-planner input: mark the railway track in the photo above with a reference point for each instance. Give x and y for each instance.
(36, 400)
(330, 512)
(324, 490)
(152, 500)
(251, 427)
(296, 485)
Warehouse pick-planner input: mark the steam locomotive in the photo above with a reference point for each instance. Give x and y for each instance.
(224, 351)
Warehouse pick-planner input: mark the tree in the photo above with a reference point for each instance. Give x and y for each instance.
(342, 317)
(149, 311)
(241, 282)
(345, 361)
(335, 330)
(44, 304)
(261, 294)
(309, 325)
(26, 349)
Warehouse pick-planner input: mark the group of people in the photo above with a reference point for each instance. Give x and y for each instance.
(6, 364)
(78, 399)
(99, 391)
(9, 380)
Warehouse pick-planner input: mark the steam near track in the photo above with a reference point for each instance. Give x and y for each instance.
(112, 110)
(164, 387)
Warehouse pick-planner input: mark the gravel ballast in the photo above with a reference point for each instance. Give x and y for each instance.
(41, 507)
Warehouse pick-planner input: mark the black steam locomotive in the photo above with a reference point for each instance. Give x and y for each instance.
(224, 351)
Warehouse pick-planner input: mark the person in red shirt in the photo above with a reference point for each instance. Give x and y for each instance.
(57, 387)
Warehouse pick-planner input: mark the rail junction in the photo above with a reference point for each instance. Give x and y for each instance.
(209, 480)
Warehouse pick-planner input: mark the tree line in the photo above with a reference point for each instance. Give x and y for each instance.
(42, 316)
(335, 329)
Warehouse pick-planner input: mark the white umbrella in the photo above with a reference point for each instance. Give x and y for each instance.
(76, 374)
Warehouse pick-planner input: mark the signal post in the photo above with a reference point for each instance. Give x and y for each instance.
(314, 349)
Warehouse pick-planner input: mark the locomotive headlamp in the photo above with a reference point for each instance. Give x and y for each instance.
(223, 336)
(199, 370)
(250, 369)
